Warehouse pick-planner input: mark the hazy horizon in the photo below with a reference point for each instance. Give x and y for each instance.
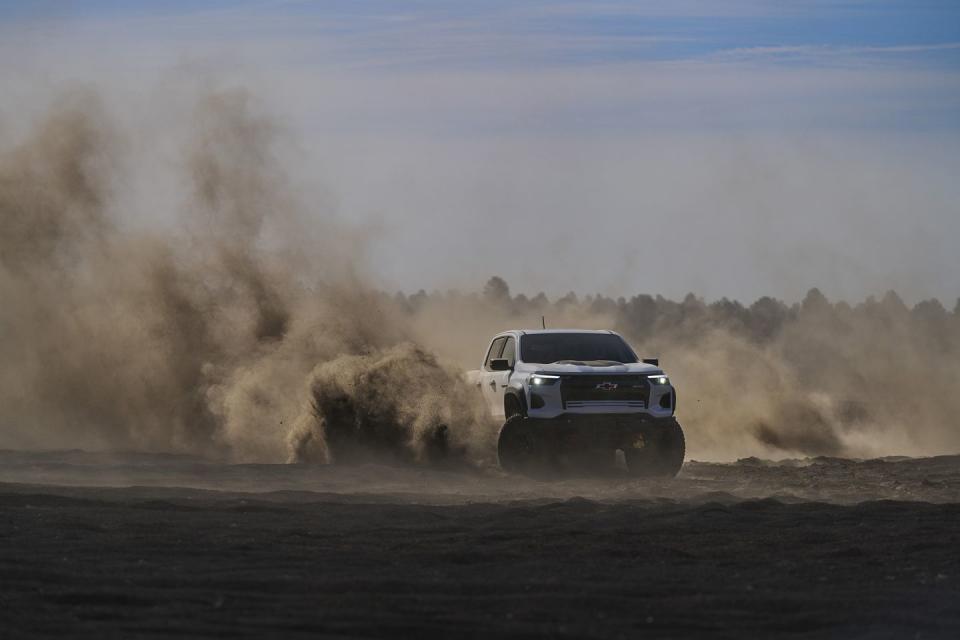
(736, 151)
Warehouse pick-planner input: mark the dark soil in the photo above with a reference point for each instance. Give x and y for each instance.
(157, 561)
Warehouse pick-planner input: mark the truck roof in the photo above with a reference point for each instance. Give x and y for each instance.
(535, 331)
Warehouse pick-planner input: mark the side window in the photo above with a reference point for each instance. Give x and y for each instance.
(510, 351)
(495, 348)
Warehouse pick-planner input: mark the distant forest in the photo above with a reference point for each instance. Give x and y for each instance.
(643, 316)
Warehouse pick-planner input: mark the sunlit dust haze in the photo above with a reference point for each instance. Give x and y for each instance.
(271, 233)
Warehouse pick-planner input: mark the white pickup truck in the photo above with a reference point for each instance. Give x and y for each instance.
(575, 397)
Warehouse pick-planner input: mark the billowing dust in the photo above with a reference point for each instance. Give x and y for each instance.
(249, 332)
(399, 403)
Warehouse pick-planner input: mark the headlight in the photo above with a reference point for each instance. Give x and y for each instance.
(659, 379)
(542, 379)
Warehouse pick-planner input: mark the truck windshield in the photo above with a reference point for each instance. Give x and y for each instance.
(545, 348)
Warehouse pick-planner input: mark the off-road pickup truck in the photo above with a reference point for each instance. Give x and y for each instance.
(574, 397)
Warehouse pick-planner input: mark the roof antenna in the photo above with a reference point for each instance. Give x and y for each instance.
(543, 321)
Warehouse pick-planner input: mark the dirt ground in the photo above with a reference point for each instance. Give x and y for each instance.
(135, 545)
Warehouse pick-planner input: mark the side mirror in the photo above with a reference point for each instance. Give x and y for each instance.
(654, 361)
(500, 364)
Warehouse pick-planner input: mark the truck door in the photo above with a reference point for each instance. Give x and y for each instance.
(490, 380)
(502, 378)
(496, 382)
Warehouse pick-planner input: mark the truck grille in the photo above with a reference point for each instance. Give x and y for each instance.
(605, 404)
(631, 391)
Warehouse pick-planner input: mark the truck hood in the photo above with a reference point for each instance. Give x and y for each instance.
(567, 367)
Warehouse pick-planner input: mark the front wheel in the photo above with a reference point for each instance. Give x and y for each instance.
(657, 451)
(520, 450)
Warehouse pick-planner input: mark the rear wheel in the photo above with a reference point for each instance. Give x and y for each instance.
(656, 451)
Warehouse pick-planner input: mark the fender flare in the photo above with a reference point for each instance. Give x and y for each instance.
(518, 395)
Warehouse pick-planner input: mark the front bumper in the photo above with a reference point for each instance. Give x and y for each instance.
(573, 431)
(548, 402)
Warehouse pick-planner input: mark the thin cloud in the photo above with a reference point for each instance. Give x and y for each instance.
(814, 51)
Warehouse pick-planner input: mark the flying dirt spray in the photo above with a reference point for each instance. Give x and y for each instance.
(218, 338)
(247, 333)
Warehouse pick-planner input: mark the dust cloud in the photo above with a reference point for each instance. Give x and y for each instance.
(249, 332)
(400, 403)
(213, 338)
(813, 378)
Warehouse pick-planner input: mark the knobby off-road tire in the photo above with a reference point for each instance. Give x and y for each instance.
(520, 450)
(662, 453)
(512, 406)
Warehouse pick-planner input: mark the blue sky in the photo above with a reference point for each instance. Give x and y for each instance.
(684, 29)
(783, 144)
(685, 38)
